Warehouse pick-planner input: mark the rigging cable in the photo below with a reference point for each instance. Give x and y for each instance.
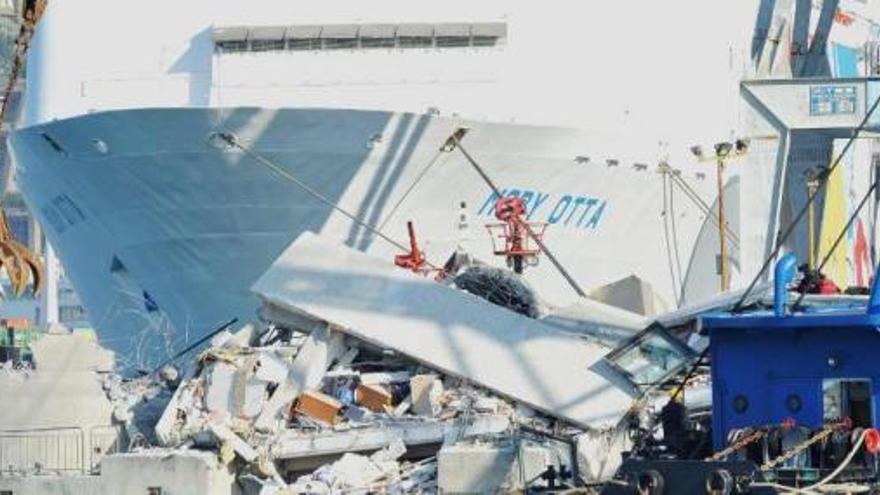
(800, 215)
(666, 214)
(412, 186)
(677, 250)
(231, 140)
(194, 345)
(843, 231)
(701, 204)
(571, 281)
(788, 231)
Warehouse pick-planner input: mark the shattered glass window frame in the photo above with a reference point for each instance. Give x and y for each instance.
(653, 346)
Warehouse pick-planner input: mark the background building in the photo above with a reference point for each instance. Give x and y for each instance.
(21, 222)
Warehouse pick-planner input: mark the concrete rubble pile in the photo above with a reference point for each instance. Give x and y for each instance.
(359, 377)
(319, 412)
(139, 403)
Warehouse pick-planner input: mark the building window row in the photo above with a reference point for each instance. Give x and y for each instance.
(354, 37)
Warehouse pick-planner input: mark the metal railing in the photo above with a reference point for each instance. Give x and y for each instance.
(57, 450)
(103, 441)
(41, 450)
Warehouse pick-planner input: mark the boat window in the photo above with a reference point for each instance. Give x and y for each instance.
(378, 42)
(485, 40)
(266, 45)
(453, 41)
(650, 357)
(242, 39)
(416, 42)
(68, 209)
(68, 313)
(847, 398)
(304, 44)
(340, 43)
(232, 46)
(54, 218)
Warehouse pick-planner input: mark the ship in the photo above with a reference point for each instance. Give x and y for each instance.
(172, 151)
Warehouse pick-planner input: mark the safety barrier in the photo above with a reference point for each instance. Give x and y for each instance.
(57, 450)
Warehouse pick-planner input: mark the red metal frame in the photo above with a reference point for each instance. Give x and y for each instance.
(415, 260)
(515, 231)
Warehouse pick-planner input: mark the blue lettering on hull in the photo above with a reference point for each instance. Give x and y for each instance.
(575, 210)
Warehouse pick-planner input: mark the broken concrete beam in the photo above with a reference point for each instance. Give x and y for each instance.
(220, 396)
(319, 407)
(600, 453)
(600, 323)
(349, 473)
(271, 367)
(373, 397)
(486, 405)
(489, 468)
(221, 339)
(182, 404)
(315, 357)
(241, 448)
(348, 358)
(384, 377)
(450, 331)
(254, 395)
(354, 473)
(296, 444)
(245, 335)
(426, 392)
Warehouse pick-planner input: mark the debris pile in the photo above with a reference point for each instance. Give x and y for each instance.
(139, 403)
(361, 377)
(320, 412)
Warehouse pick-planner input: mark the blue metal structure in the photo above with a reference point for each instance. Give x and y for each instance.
(771, 365)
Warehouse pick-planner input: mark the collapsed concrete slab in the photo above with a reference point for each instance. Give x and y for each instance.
(598, 322)
(489, 468)
(189, 471)
(446, 329)
(150, 472)
(294, 444)
(631, 294)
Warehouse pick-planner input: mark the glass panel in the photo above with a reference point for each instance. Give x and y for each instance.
(847, 398)
(485, 40)
(232, 46)
(453, 41)
(650, 358)
(340, 43)
(304, 44)
(416, 42)
(267, 45)
(378, 42)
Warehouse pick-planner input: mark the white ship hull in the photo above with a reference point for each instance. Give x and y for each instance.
(163, 234)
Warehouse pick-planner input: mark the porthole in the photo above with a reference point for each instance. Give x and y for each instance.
(740, 404)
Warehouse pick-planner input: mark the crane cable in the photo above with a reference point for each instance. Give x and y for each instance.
(843, 231)
(788, 231)
(800, 215)
(571, 281)
(232, 141)
(701, 204)
(411, 187)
